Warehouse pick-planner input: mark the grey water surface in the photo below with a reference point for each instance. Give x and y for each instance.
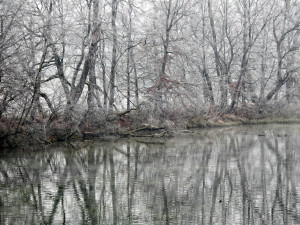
(236, 175)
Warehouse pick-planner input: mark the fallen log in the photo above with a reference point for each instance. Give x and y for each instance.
(147, 131)
(120, 114)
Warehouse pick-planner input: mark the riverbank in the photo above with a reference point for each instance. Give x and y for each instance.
(231, 120)
(37, 135)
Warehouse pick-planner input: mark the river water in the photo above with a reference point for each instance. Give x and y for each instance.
(237, 175)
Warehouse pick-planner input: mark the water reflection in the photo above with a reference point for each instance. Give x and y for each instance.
(232, 176)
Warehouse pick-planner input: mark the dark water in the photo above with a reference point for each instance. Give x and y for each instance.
(221, 176)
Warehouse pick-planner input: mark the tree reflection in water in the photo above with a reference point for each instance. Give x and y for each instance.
(231, 176)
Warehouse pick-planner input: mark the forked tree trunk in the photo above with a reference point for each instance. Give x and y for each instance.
(218, 63)
(74, 92)
(244, 64)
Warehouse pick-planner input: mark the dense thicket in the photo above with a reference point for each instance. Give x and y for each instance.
(66, 65)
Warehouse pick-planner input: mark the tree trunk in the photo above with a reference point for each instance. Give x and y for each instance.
(128, 81)
(208, 89)
(114, 55)
(75, 92)
(37, 86)
(263, 68)
(136, 82)
(219, 66)
(275, 90)
(103, 66)
(166, 41)
(92, 94)
(244, 63)
(35, 103)
(129, 50)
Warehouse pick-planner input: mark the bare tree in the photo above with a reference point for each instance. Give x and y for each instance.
(218, 63)
(9, 49)
(93, 97)
(173, 11)
(282, 76)
(114, 10)
(72, 90)
(251, 31)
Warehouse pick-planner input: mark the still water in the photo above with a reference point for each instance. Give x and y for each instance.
(241, 175)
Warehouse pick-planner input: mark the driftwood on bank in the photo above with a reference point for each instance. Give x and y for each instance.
(147, 130)
(120, 114)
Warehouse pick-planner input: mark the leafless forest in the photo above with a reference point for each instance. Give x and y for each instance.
(74, 66)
